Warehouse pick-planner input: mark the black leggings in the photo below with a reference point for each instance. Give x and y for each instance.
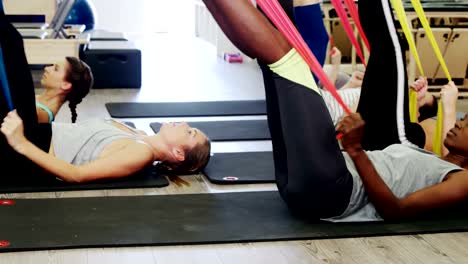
(384, 96)
(21, 87)
(311, 173)
(310, 170)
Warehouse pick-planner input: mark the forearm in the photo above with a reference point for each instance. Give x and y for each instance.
(335, 70)
(386, 203)
(449, 120)
(60, 168)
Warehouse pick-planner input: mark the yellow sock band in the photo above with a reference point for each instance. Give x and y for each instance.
(295, 69)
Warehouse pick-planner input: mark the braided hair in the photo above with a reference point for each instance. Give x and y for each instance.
(81, 78)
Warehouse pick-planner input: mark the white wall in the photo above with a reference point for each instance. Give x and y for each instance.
(144, 15)
(119, 15)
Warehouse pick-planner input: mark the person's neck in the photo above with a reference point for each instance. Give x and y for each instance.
(157, 146)
(458, 160)
(51, 98)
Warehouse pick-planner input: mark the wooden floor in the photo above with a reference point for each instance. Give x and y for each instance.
(178, 67)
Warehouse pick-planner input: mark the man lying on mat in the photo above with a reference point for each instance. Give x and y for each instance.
(314, 177)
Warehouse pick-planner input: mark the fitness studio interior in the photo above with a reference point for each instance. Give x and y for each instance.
(124, 171)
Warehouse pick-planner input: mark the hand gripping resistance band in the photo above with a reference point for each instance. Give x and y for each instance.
(400, 13)
(4, 82)
(277, 15)
(437, 144)
(348, 28)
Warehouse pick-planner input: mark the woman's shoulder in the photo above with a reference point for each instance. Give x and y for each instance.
(137, 150)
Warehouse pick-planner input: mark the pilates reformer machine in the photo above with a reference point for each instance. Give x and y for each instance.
(51, 42)
(448, 20)
(109, 54)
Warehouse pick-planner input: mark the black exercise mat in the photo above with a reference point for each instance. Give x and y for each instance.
(188, 109)
(240, 168)
(41, 224)
(230, 130)
(146, 178)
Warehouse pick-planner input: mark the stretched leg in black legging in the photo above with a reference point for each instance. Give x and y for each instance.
(384, 96)
(311, 173)
(21, 88)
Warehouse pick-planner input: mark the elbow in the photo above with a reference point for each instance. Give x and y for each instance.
(74, 176)
(393, 213)
(69, 179)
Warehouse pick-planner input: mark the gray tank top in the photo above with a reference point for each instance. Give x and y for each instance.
(82, 143)
(404, 169)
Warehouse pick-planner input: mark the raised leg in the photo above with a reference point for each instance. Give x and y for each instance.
(384, 96)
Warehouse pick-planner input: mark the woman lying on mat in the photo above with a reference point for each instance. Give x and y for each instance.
(77, 152)
(91, 150)
(350, 90)
(427, 103)
(427, 106)
(102, 149)
(308, 18)
(68, 80)
(314, 177)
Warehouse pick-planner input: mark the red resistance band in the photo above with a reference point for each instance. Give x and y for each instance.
(353, 11)
(340, 10)
(277, 15)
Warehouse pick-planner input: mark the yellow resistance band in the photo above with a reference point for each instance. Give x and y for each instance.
(437, 144)
(413, 96)
(422, 17)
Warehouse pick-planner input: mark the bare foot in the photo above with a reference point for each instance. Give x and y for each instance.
(355, 81)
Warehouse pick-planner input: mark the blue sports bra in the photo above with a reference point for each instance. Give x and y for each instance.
(47, 110)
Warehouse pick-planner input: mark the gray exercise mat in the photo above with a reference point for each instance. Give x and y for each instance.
(230, 130)
(188, 109)
(241, 168)
(41, 224)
